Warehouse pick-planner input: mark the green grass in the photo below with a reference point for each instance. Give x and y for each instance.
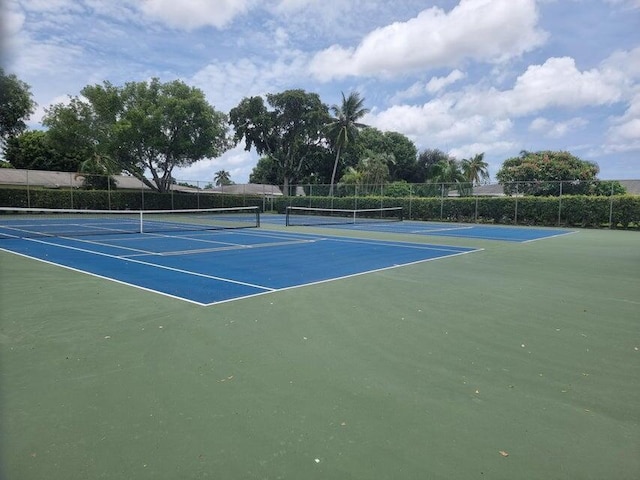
(422, 372)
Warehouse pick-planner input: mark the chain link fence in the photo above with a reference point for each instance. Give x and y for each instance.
(580, 203)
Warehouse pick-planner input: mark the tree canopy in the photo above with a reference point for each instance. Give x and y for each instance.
(16, 105)
(142, 127)
(370, 139)
(290, 133)
(540, 173)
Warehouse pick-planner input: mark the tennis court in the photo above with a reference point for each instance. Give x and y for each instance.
(520, 360)
(194, 256)
(391, 220)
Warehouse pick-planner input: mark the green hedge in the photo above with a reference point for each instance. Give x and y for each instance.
(571, 211)
(120, 199)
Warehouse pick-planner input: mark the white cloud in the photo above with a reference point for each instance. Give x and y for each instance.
(192, 14)
(293, 5)
(556, 83)
(12, 20)
(227, 83)
(624, 133)
(498, 147)
(554, 129)
(438, 83)
(486, 115)
(433, 86)
(482, 30)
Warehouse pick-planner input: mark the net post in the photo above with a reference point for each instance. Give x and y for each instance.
(141, 222)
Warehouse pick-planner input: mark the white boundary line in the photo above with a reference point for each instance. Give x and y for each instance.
(154, 265)
(73, 269)
(266, 289)
(351, 275)
(550, 236)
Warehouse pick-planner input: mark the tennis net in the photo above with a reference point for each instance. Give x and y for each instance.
(54, 222)
(306, 216)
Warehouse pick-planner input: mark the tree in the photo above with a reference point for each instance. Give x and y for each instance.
(427, 161)
(373, 140)
(97, 172)
(72, 131)
(34, 150)
(540, 173)
(265, 172)
(447, 171)
(143, 127)
(475, 169)
(371, 172)
(289, 134)
(16, 105)
(343, 127)
(222, 177)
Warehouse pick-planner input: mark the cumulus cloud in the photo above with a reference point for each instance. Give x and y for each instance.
(481, 30)
(555, 83)
(477, 114)
(225, 84)
(624, 133)
(439, 83)
(555, 129)
(192, 14)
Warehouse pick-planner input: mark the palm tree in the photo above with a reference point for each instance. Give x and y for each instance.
(447, 171)
(97, 172)
(222, 177)
(475, 169)
(343, 127)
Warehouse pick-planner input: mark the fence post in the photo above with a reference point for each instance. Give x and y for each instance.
(560, 205)
(476, 214)
(515, 218)
(410, 198)
(109, 192)
(71, 188)
(28, 191)
(611, 207)
(441, 200)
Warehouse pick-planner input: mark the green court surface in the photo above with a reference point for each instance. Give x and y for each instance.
(520, 361)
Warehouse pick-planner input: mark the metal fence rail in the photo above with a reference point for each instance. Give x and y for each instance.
(458, 201)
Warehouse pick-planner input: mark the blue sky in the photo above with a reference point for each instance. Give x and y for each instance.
(464, 76)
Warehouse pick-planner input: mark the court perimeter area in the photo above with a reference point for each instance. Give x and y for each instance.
(518, 360)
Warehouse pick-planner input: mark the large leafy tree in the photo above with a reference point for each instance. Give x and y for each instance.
(428, 160)
(143, 127)
(16, 105)
(289, 133)
(475, 169)
(344, 126)
(402, 148)
(540, 173)
(34, 150)
(265, 172)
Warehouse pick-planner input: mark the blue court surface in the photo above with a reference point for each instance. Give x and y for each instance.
(441, 229)
(209, 267)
